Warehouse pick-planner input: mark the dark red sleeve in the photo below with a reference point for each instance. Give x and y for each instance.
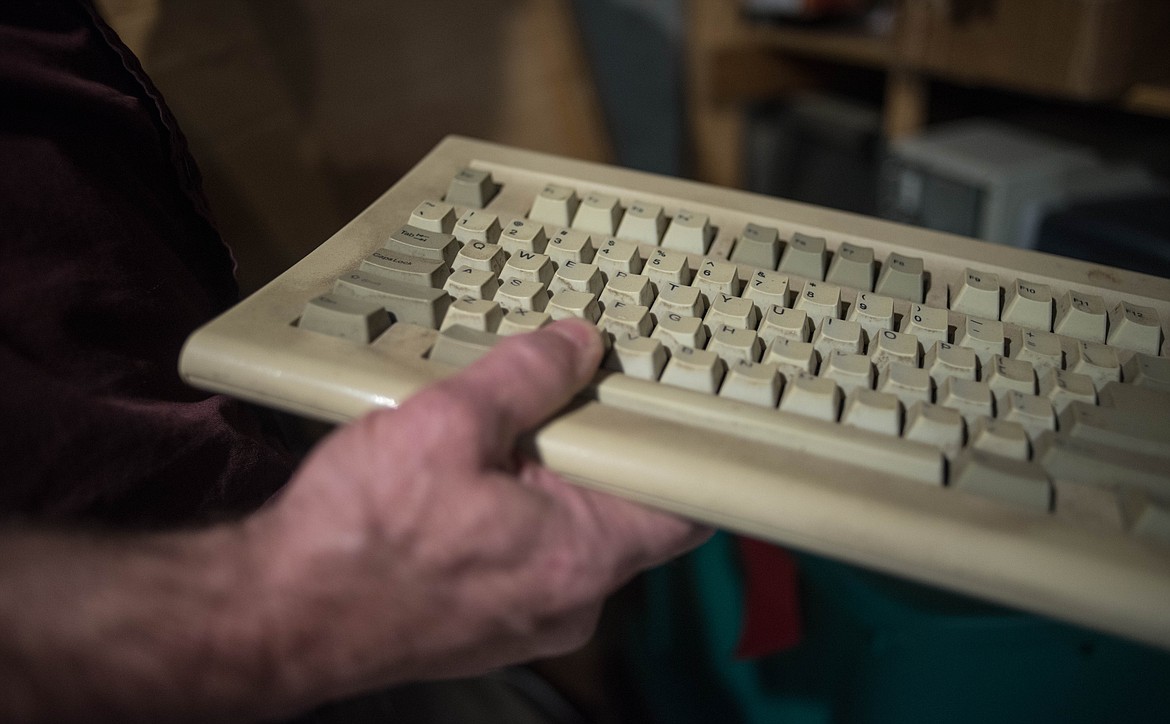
(108, 260)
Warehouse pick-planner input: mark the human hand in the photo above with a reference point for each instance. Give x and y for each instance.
(417, 543)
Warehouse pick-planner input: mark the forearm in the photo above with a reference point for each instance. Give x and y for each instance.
(126, 628)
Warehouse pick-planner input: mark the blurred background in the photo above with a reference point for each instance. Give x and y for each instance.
(300, 112)
(1036, 123)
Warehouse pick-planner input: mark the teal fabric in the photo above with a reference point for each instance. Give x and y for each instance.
(877, 649)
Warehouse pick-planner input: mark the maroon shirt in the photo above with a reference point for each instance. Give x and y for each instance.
(108, 260)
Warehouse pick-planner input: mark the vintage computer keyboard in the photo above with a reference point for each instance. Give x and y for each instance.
(986, 419)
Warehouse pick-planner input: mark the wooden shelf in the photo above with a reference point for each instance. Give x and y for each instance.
(1082, 56)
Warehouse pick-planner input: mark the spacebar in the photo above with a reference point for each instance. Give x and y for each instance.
(890, 455)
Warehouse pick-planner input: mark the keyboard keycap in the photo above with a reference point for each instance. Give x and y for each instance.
(977, 294)
(1016, 482)
(1135, 327)
(805, 256)
(689, 232)
(1081, 316)
(471, 187)
(902, 277)
(555, 205)
(405, 302)
(353, 319)
(643, 223)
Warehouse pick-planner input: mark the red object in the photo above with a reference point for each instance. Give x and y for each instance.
(771, 621)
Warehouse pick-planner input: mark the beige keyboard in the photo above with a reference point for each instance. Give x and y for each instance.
(986, 419)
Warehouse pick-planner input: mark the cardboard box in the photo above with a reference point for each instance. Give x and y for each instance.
(1081, 49)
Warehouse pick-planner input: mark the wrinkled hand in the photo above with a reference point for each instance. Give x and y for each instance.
(417, 543)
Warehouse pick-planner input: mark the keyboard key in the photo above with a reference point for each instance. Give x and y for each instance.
(1006, 375)
(765, 289)
(852, 266)
(1042, 350)
(902, 277)
(780, 322)
(838, 335)
(628, 289)
(872, 410)
(357, 320)
(555, 205)
(909, 384)
(1132, 417)
(459, 346)
(928, 324)
(468, 283)
(984, 337)
(999, 437)
(1135, 327)
(569, 245)
(624, 319)
(478, 314)
(523, 235)
(757, 246)
(694, 369)
(521, 321)
(1029, 305)
(643, 223)
(516, 294)
(713, 277)
(424, 244)
(1033, 413)
(849, 371)
(674, 298)
(405, 302)
(582, 305)
(731, 311)
(940, 427)
(814, 397)
(758, 384)
(977, 294)
(735, 344)
(1096, 464)
(615, 257)
(481, 255)
(946, 361)
(1146, 370)
(873, 312)
(792, 355)
(529, 267)
(972, 399)
(405, 269)
(471, 187)
(677, 331)
(637, 356)
(820, 300)
(598, 213)
(1081, 316)
(1063, 388)
(805, 256)
(577, 277)
(689, 232)
(477, 226)
(1096, 361)
(437, 216)
(667, 267)
(1018, 483)
(887, 348)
